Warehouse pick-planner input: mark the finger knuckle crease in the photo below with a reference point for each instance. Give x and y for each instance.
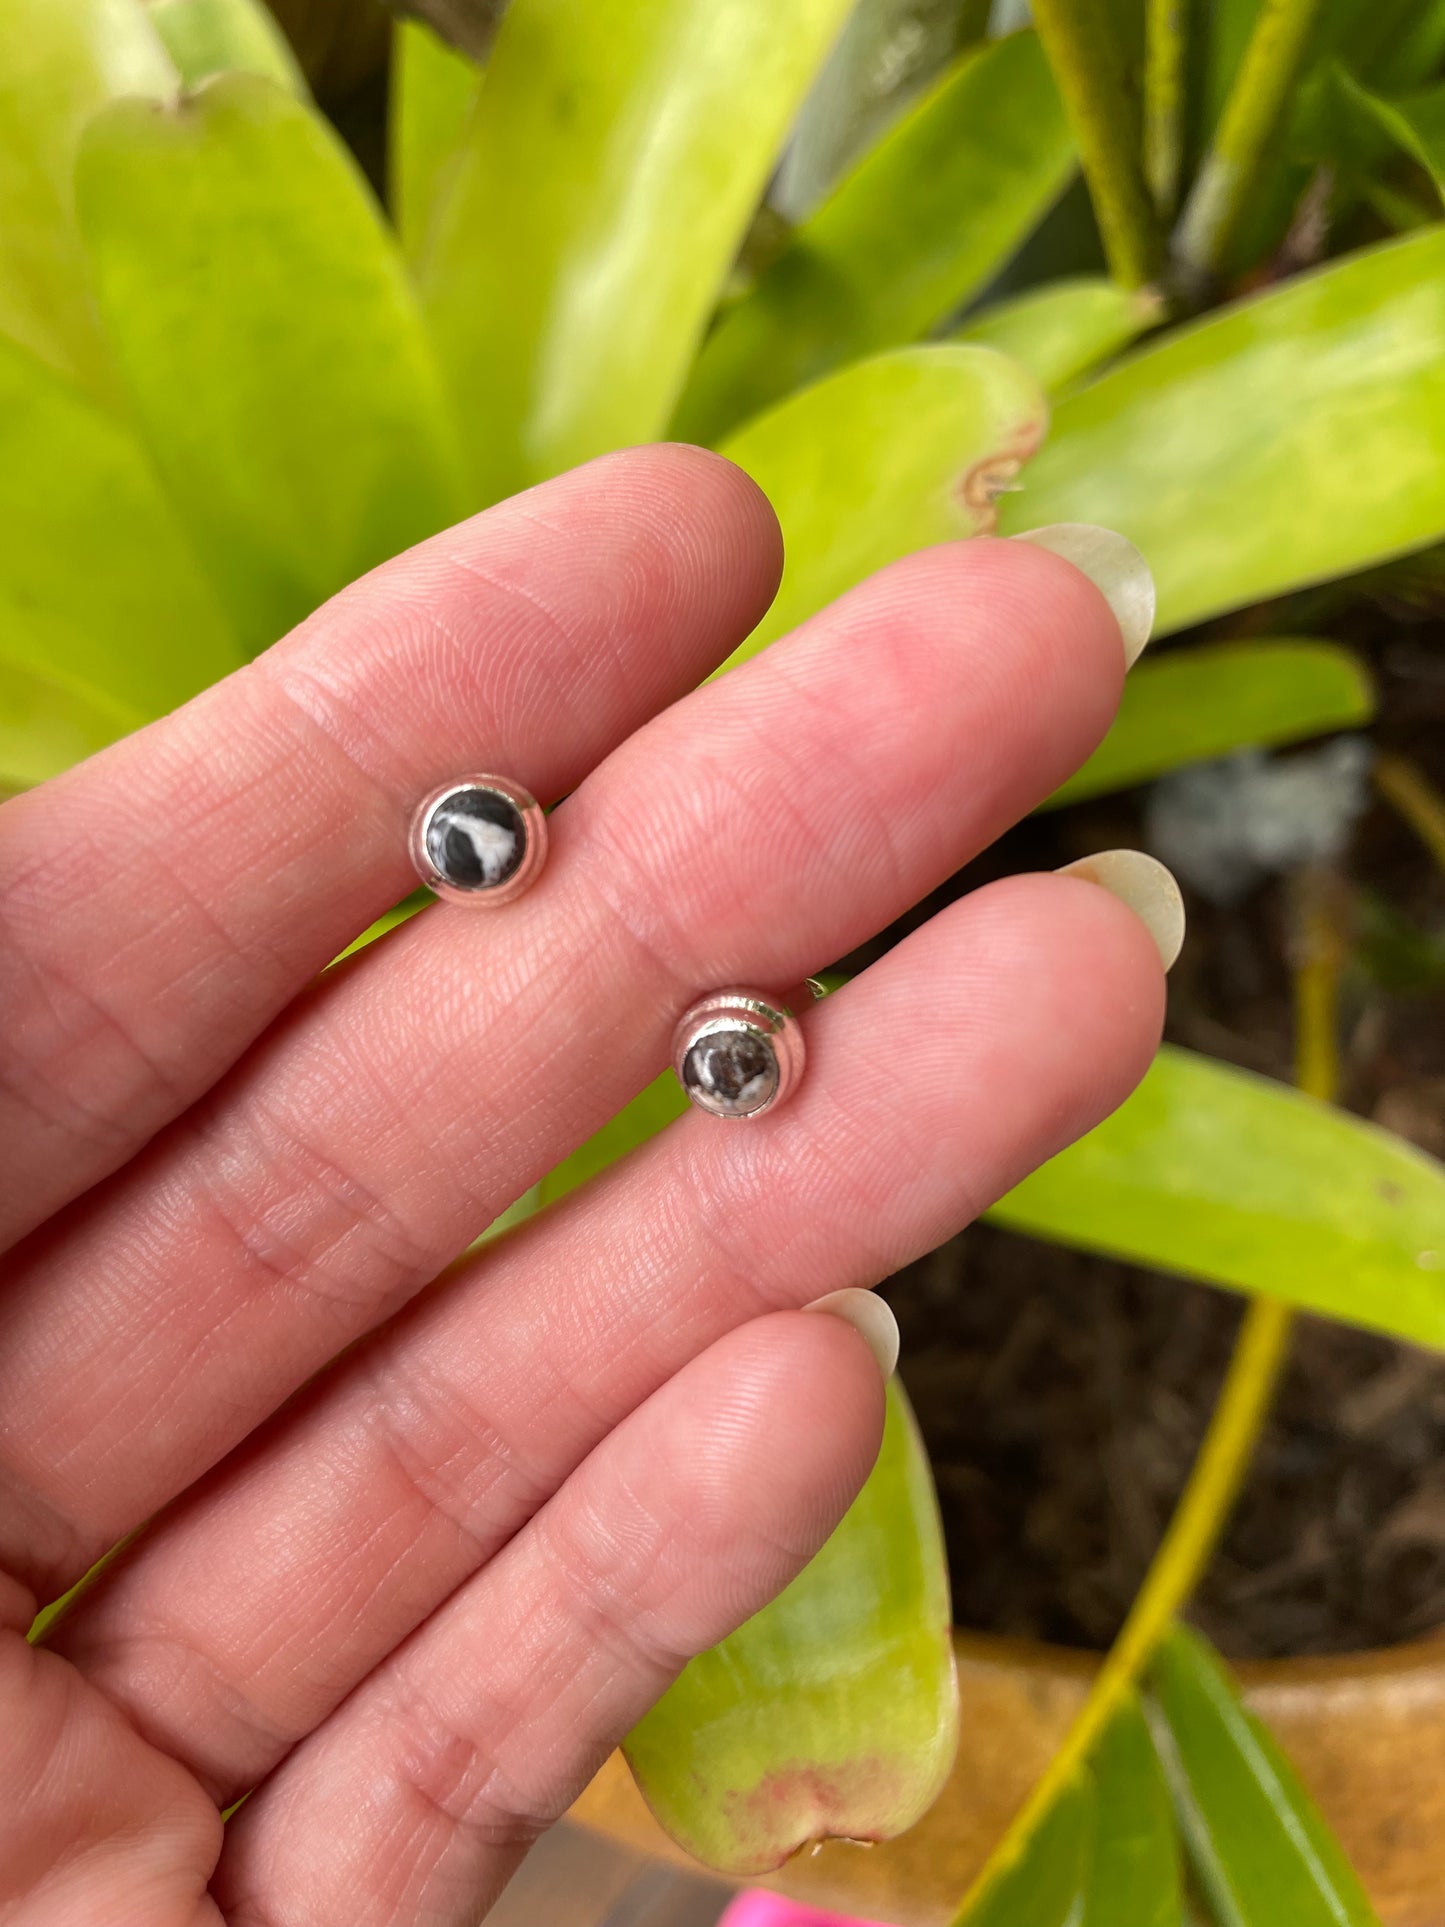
(301, 1220)
(462, 1782)
(446, 1452)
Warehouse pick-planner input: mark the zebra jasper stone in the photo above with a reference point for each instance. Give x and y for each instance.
(476, 838)
(731, 1072)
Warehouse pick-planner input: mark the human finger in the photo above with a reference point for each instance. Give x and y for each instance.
(759, 828)
(1007, 1025)
(166, 899)
(418, 1799)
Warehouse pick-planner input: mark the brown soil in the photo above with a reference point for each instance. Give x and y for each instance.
(1063, 1397)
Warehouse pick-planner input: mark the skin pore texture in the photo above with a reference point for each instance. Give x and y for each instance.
(425, 1533)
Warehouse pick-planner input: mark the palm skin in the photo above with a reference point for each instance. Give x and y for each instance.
(425, 1533)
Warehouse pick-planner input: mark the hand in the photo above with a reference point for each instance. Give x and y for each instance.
(421, 1552)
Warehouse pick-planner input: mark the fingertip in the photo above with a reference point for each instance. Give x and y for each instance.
(870, 1316)
(1115, 978)
(819, 1397)
(1146, 886)
(705, 493)
(1055, 586)
(1026, 634)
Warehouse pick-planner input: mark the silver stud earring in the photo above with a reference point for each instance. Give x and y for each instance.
(738, 1053)
(479, 840)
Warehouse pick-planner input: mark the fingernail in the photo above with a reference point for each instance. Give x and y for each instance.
(1146, 886)
(1116, 569)
(870, 1317)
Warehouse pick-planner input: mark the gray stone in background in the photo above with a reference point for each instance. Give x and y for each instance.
(1223, 827)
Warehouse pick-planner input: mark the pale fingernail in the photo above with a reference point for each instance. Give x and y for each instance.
(1146, 886)
(870, 1317)
(1116, 569)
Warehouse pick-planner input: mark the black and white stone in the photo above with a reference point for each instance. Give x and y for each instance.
(731, 1071)
(475, 838)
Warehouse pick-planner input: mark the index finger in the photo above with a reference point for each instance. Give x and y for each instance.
(164, 901)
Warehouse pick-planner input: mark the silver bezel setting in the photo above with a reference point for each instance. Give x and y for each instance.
(534, 853)
(757, 1013)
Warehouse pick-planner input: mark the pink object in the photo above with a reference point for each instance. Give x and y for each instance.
(758, 1909)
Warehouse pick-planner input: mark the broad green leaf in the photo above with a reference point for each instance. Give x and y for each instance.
(1192, 704)
(882, 458)
(433, 90)
(596, 211)
(834, 1710)
(644, 1117)
(59, 61)
(99, 588)
(918, 227)
(1221, 1175)
(1260, 1849)
(266, 334)
(1133, 1878)
(1414, 123)
(1285, 440)
(888, 52)
(1066, 328)
(208, 37)
(46, 725)
(1102, 1852)
(1045, 1885)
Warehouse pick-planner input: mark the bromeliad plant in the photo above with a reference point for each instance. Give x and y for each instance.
(230, 382)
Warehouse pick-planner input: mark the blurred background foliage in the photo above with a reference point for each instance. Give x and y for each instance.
(282, 294)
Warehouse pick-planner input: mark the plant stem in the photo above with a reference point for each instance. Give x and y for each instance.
(1239, 1414)
(1252, 114)
(1088, 63)
(1164, 29)
(1319, 914)
(1193, 1532)
(1421, 805)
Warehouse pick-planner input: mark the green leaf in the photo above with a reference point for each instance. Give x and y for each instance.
(266, 333)
(1189, 705)
(1282, 441)
(1260, 1849)
(1066, 328)
(209, 37)
(433, 91)
(1217, 1174)
(834, 1710)
(919, 226)
(888, 53)
(46, 725)
(1133, 1876)
(882, 458)
(59, 61)
(1101, 1852)
(1416, 49)
(1045, 1885)
(99, 588)
(648, 1113)
(597, 209)
(1415, 123)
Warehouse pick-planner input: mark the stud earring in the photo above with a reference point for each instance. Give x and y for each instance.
(479, 840)
(738, 1053)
